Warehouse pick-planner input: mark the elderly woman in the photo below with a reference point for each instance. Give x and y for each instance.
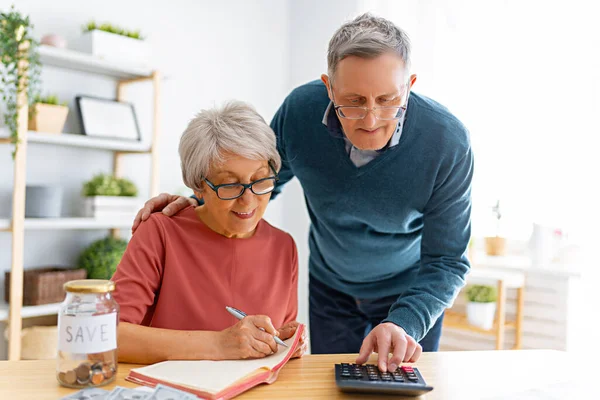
(178, 274)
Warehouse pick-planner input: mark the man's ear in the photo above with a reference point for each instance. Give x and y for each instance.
(411, 81)
(325, 80)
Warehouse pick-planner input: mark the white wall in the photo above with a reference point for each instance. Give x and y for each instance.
(524, 78)
(209, 54)
(265, 48)
(311, 27)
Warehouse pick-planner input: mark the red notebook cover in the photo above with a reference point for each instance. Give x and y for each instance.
(217, 380)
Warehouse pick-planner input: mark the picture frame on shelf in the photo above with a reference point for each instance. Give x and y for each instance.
(107, 118)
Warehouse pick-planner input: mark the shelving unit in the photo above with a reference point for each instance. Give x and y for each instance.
(76, 61)
(30, 311)
(77, 140)
(14, 312)
(503, 280)
(67, 223)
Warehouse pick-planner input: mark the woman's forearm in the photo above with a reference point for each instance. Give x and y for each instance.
(146, 345)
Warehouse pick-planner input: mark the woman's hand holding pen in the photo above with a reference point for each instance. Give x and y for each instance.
(246, 340)
(288, 330)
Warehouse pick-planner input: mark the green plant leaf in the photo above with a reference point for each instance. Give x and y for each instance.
(106, 27)
(481, 293)
(108, 185)
(100, 259)
(18, 48)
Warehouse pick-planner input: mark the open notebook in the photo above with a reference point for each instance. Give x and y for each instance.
(217, 380)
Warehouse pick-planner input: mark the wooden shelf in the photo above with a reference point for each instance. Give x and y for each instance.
(77, 140)
(69, 223)
(479, 275)
(459, 321)
(74, 60)
(124, 75)
(30, 311)
(510, 262)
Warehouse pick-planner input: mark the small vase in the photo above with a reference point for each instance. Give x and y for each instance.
(495, 246)
(43, 201)
(48, 118)
(481, 314)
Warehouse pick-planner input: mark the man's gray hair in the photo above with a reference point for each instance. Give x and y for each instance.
(234, 128)
(367, 36)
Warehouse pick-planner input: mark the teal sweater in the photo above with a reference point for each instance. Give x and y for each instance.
(397, 225)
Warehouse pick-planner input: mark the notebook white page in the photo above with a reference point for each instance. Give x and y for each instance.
(212, 376)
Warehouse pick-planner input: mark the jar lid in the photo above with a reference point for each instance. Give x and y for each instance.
(89, 286)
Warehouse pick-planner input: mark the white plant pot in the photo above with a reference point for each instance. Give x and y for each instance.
(111, 206)
(111, 46)
(481, 314)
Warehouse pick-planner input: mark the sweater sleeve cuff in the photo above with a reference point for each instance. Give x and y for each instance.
(409, 321)
(200, 202)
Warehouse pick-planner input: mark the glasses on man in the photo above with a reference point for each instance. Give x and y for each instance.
(382, 113)
(231, 191)
(358, 112)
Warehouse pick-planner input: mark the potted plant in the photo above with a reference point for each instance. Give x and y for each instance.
(48, 114)
(108, 196)
(100, 259)
(481, 306)
(496, 245)
(20, 67)
(111, 42)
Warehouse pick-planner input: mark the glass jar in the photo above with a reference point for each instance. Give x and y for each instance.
(87, 334)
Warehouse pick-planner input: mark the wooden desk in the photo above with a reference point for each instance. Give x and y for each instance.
(454, 375)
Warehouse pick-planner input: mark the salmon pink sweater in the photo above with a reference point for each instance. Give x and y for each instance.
(177, 273)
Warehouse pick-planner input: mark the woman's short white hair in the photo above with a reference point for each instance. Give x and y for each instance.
(234, 128)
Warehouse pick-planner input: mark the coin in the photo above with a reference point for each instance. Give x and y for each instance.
(83, 373)
(70, 377)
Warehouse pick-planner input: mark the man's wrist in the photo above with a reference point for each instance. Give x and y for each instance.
(408, 321)
(396, 325)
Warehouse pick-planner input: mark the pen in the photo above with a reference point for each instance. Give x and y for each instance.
(240, 314)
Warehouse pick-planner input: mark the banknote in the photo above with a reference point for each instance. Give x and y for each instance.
(162, 392)
(121, 393)
(88, 394)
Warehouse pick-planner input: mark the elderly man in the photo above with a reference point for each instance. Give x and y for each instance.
(386, 174)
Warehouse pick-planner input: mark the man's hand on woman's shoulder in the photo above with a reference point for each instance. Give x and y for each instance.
(169, 204)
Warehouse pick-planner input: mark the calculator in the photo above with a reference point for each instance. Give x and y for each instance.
(405, 380)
